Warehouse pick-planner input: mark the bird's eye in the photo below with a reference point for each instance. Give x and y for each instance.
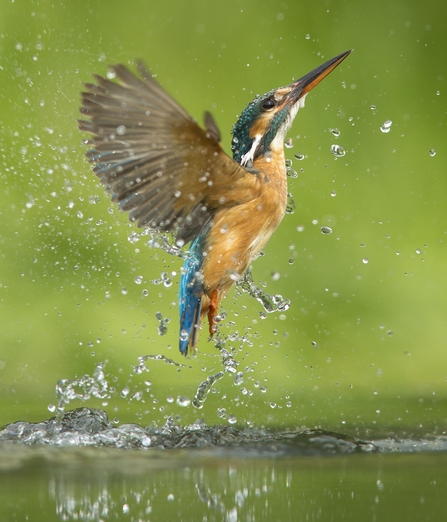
(268, 104)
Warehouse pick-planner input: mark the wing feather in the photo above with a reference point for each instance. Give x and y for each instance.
(154, 159)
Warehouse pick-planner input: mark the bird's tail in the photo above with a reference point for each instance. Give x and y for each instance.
(190, 297)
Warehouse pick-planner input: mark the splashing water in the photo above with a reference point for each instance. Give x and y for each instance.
(143, 358)
(164, 242)
(162, 323)
(163, 280)
(68, 390)
(271, 303)
(204, 389)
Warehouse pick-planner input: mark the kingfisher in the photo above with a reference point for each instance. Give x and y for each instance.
(172, 175)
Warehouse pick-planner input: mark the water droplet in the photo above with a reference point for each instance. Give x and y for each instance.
(232, 419)
(121, 130)
(432, 152)
(338, 151)
(373, 107)
(326, 230)
(333, 193)
(275, 276)
(438, 93)
(288, 143)
(238, 378)
(299, 156)
(222, 413)
(335, 132)
(291, 173)
(386, 126)
(365, 260)
(307, 37)
(183, 335)
(124, 290)
(183, 401)
(291, 206)
(162, 323)
(138, 280)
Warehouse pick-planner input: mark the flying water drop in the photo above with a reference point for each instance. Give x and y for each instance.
(291, 206)
(338, 151)
(335, 132)
(386, 126)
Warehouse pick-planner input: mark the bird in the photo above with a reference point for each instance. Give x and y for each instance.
(172, 175)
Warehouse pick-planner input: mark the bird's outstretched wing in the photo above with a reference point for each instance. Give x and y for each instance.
(155, 160)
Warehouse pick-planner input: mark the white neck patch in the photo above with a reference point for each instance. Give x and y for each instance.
(250, 154)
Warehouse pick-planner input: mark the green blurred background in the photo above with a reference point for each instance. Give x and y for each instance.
(362, 348)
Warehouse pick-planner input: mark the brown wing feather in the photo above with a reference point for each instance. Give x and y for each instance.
(155, 160)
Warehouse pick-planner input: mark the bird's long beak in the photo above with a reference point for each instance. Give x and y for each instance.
(301, 87)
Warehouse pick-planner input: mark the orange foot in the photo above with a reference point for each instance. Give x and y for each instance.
(212, 312)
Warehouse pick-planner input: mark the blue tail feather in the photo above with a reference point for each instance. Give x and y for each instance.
(190, 296)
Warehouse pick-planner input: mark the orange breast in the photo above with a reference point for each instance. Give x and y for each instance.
(240, 232)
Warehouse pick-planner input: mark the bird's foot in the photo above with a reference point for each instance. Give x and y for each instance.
(212, 312)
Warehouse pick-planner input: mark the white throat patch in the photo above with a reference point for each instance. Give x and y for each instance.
(278, 141)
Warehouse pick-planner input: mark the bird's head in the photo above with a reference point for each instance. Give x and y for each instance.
(264, 123)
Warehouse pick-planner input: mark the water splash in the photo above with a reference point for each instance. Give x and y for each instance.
(162, 323)
(204, 389)
(143, 358)
(165, 242)
(271, 303)
(68, 390)
(163, 280)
